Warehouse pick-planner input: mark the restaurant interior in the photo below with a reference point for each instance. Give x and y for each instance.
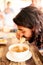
(15, 51)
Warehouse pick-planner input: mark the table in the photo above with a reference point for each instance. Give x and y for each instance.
(36, 59)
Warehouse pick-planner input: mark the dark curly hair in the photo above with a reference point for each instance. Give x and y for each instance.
(31, 17)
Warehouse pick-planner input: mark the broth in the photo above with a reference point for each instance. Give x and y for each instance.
(19, 49)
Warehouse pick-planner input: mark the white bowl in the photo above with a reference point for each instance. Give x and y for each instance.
(20, 56)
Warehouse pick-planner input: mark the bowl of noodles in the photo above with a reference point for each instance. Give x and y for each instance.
(20, 52)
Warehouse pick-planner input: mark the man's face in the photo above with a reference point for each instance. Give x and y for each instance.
(24, 32)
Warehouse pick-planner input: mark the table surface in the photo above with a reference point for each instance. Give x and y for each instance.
(36, 59)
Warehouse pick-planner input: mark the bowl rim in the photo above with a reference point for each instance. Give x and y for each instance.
(11, 46)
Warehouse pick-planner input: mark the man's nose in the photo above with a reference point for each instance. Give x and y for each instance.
(19, 34)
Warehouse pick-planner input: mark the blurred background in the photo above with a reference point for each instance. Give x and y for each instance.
(16, 5)
(10, 8)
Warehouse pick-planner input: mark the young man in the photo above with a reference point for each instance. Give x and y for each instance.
(30, 25)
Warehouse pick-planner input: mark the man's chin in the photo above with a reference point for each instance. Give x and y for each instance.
(27, 39)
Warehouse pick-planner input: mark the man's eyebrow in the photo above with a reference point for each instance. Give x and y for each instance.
(19, 29)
